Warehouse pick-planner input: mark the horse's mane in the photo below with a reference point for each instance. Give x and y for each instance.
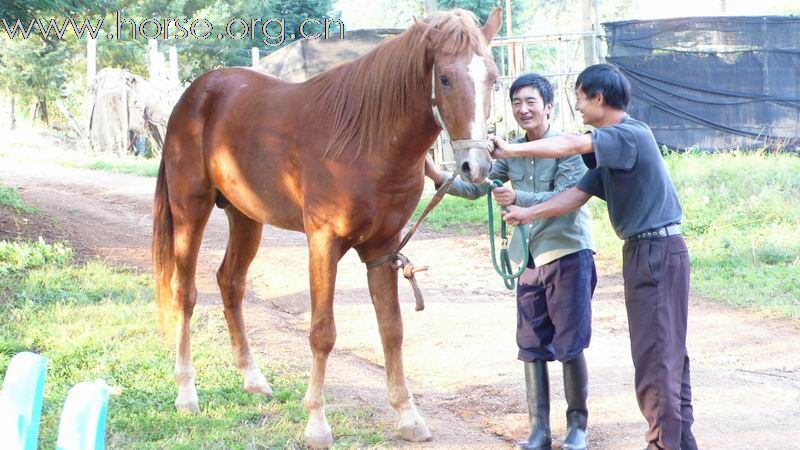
(367, 96)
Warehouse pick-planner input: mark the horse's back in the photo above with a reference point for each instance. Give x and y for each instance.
(220, 89)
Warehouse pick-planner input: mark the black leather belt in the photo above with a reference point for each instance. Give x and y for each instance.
(662, 232)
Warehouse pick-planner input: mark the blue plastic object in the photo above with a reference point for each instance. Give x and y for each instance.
(83, 420)
(21, 398)
(12, 425)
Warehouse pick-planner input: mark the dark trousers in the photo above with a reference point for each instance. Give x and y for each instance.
(656, 274)
(554, 307)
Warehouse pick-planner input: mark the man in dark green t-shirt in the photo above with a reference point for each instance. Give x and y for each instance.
(627, 170)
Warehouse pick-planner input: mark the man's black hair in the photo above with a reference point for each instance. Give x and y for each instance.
(607, 80)
(535, 81)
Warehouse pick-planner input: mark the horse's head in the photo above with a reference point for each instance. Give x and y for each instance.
(463, 76)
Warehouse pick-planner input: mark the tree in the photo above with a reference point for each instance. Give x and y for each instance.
(198, 55)
(17, 9)
(37, 70)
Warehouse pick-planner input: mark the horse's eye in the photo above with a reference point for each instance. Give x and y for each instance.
(444, 80)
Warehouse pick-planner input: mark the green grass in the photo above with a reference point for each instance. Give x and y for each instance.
(92, 321)
(456, 214)
(9, 197)
(128, 164)
(741, 222)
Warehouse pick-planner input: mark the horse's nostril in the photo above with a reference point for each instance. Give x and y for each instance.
(465, 167)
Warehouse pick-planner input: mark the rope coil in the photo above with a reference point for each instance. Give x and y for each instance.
(503, 268)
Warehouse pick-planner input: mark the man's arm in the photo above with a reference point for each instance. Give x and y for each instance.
(570, 171)
(565, 202)
(553, 147)
(461, 188)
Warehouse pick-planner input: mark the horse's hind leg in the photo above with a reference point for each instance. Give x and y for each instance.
(245, 235)
(190, 219)
(383, 289)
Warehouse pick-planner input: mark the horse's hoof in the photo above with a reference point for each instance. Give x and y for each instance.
(319, 439)
(257, 384)
(416, 432)
(187, 405)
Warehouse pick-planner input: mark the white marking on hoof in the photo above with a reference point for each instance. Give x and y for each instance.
(187, 401)
(318, 434)
(256, 383)
(412, 426)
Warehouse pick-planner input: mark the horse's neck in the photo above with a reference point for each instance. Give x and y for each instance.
(413, 134)
(381, 105)
(416, 127)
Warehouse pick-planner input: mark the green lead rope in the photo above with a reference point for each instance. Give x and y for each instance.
(504, 267)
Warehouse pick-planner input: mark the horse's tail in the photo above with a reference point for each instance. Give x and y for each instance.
(163, 254)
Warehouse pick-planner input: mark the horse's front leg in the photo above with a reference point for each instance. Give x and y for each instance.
(325, 250)
(383, 289)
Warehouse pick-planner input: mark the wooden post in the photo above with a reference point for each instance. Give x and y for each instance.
(174, 79)
(430, 7)
(91, 75)
(599, 50)
(91, 61)
(589, 54)
(513, 65)
(254, 56)
(153, 59)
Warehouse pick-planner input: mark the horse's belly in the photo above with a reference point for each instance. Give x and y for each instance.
(257, 184)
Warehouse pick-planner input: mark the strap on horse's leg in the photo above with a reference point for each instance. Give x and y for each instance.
(399, 261)
(373, 263)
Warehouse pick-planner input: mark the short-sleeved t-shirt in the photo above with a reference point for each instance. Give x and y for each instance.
(628, 172)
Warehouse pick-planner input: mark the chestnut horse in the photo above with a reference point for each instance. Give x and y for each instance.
(340, 158)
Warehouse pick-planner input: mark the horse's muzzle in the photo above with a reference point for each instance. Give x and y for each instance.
(475, 166)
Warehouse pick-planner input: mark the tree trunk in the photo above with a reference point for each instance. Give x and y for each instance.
(43, 110)
(13, 113)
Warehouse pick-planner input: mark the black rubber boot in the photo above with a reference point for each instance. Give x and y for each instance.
(576, 389)
(537, 387)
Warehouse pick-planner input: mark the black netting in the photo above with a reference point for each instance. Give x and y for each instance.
(713, 82)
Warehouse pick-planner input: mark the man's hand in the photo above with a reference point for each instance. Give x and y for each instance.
(517, 215)
(504, 196)
(431, 171)
(502, 149)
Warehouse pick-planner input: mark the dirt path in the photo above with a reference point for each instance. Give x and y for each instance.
(460, 352)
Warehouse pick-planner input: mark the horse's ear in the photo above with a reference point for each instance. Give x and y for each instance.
(493, 24)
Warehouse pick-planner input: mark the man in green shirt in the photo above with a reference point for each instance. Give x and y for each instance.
(555, 291)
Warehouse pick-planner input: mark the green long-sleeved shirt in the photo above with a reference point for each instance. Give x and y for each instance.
(536, 180)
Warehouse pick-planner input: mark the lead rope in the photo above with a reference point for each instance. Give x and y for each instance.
(397, 259)
(503, 268)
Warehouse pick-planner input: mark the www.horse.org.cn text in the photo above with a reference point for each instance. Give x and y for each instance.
(271, 32)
